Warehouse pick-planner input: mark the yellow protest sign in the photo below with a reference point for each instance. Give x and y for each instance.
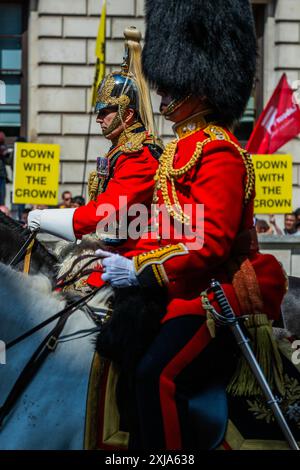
(273, 186)
(36, 174)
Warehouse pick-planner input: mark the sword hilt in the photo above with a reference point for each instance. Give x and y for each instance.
(226, 309)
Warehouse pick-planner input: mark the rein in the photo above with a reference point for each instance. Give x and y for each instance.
(27, 259)
(80, 273)
(48, 345)
(69, 309)
(26, 246)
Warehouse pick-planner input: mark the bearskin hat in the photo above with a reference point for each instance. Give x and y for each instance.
(202, 47)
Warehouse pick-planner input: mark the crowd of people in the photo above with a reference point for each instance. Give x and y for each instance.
(291, 225)
(67, 201)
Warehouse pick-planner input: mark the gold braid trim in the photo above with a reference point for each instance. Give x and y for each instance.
(158, 256)
(134, 143)
(93, 185)
(218, 133)
(159, 275)
(166, 172)
(125, 136)
(129, 142)
(250, 181)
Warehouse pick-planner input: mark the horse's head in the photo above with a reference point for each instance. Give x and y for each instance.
(12, 236)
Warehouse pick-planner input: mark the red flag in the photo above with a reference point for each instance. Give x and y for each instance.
(278, 123)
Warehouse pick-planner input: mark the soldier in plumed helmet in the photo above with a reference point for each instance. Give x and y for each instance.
(125, 174)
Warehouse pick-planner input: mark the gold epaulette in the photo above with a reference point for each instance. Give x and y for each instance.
(149, 266)
(158, 256)
(216, 132)
(219, 133)
(134, 144)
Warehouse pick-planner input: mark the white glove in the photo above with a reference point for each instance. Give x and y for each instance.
(119, 271)
(34, 220)
(58, 222)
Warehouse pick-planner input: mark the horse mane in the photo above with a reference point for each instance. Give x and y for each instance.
(20, 234)
(10, 223)
(23, 295)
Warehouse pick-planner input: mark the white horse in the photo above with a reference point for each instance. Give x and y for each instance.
(51, 412)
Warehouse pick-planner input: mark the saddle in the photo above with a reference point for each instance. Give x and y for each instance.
(205, 400)
(216, 420)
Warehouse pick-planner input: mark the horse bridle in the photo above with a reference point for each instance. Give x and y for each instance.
(48, 345)
(22, 251)
(50, 341)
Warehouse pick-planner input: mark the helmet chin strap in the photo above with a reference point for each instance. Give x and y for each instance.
(174, 105)
(116, 122)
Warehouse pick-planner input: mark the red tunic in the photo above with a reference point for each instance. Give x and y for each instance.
(133, 178)
(217, 181)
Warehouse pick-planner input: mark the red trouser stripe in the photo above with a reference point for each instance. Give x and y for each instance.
(226, 445)
(167, 387)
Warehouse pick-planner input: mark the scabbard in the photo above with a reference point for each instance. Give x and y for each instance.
(244, 344)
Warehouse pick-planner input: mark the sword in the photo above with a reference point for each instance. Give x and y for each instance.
(228, 318)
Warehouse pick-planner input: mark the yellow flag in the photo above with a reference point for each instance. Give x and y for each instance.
(100, 53)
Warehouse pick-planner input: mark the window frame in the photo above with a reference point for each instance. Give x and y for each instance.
(259, 13)
(22, 130)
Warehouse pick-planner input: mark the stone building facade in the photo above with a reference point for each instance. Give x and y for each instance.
(60, 39)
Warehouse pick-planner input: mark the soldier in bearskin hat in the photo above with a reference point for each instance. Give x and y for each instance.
(201, 56)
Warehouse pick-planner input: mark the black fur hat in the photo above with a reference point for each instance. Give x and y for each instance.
(202, 47)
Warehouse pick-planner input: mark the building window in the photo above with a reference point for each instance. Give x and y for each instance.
(13, 67)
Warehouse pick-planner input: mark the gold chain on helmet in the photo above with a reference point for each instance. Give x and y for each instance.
(104, 94)
(174, 105)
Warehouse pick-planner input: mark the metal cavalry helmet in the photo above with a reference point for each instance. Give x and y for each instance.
(127, 88)
(117, 89)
